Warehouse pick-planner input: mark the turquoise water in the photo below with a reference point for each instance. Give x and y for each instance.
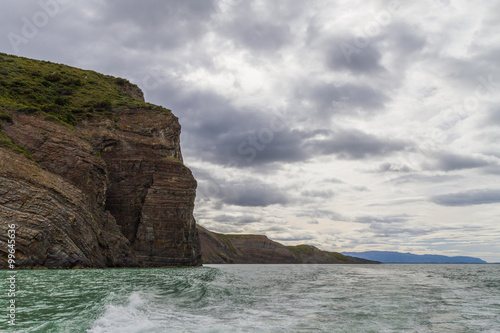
(258, 298)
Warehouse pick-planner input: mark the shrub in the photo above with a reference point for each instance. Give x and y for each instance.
(29, 109)
(73, 82)
(103, 105)
(62, 101)
(120, 81)
(51, 108)
(54, 77)
(6, 117)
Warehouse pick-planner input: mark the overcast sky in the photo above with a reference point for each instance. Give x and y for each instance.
(348, 125)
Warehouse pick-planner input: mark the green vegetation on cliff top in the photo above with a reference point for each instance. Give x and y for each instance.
(63, 93)
(297, 250)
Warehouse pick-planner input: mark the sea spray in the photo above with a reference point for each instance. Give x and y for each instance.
(261, 298)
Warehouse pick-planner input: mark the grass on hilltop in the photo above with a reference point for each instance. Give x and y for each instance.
(62, 92)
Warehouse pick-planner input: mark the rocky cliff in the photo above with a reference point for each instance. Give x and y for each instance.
(90, 174)
(258, 249)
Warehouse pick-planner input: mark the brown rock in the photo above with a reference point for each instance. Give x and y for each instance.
(54, 225)
(105, 194)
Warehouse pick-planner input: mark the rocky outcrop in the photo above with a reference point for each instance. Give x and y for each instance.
(55, 226)
(109, 191)
(258, 249)
(151, 193)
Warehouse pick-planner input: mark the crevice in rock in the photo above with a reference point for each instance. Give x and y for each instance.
(129, 184)
(139, 217)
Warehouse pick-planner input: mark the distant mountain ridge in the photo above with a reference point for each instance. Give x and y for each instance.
(410, 258)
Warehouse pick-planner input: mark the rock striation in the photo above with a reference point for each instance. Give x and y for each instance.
(101, 182)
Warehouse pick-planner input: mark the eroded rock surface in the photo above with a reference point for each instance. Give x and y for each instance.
(104, 193)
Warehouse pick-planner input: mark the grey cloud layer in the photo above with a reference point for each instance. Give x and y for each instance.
(468, 198)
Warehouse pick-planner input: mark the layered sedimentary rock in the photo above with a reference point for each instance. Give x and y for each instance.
(151, 193)
(108, 191)
(258, 249)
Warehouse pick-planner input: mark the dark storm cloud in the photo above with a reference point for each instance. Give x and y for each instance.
(450, 162)
(468, 198)
(354, 145)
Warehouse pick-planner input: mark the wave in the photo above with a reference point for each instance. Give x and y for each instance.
(129, 318)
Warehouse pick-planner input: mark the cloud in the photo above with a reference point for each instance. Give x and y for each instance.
(324, 194)
(224, 188)
(468, 198)
(493, 117)
(165, 24)
(383, 220)
(239, 220)
(253, 193)
(333, 180)
(322, 213)
(346, 109)
(392, 167)
(345, 53)
(386, 231)
(404, 37)
(259, 35)
(352, 144)
(330, 99)
(447, 161)
(421, 178)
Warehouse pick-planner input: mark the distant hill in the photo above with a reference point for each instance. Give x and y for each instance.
(410, 258)
(219, 248)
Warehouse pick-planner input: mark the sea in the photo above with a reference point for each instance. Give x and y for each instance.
(256, 298)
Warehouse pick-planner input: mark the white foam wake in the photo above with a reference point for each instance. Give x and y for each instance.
(128, 318)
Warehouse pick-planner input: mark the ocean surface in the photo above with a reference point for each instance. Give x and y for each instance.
(258, 298)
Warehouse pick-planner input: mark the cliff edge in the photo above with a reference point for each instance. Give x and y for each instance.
(90, 174)
(219, 248)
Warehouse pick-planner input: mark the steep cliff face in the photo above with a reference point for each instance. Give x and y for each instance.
(151, 193)
(258, 249)
(102, 183)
